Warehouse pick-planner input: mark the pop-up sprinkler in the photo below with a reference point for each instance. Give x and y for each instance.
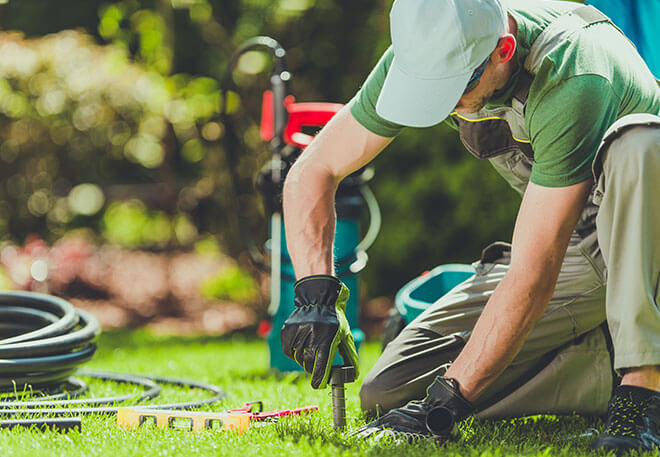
(340, 375)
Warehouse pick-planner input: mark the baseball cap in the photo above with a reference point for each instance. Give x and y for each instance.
(437, 46)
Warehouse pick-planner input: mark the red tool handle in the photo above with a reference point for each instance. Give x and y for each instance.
(284, 412)
(299, 115)
(256, 408)
(249, 407)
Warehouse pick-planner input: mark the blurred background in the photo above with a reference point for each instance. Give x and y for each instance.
(115, 190)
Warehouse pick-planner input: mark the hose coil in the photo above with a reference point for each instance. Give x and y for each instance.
(43, 339)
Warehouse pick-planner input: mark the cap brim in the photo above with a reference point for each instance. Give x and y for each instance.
(415, 102)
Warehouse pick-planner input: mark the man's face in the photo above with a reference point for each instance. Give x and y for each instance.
(501, 65)
(477, 98)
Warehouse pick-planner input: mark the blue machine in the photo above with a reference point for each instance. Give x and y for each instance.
(346, 240)
(349, 257)
(285, 126)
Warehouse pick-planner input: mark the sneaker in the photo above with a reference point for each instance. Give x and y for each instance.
(633, 421)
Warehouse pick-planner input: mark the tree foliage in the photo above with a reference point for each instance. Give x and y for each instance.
(86, 132)
(115, 127)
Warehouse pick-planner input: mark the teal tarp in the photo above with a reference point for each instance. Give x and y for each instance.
(639, 20)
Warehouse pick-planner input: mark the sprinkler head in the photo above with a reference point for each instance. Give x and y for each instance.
(340, 375)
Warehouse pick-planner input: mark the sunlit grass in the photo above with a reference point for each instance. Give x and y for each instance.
(240, 366)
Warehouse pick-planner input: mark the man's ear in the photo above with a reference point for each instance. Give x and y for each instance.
(506, 48)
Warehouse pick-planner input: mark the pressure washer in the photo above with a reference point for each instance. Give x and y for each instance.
(286, 126)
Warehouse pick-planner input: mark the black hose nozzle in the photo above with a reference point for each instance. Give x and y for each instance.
(440, 421)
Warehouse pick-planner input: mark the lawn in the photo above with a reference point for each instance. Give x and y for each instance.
(240, 366)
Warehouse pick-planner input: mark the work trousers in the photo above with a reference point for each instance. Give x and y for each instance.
(603, 316)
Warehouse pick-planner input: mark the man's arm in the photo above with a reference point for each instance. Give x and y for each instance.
(342, 147)
(546, 219)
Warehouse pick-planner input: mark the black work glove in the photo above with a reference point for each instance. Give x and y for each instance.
(432, 418)
(317, 327)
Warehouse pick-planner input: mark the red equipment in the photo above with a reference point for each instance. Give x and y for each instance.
(299, 115)
(256, 408)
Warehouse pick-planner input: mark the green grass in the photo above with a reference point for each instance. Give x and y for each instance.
(240, 366)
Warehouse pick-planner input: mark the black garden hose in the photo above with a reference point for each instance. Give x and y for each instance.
(43, 340)
(107, 405)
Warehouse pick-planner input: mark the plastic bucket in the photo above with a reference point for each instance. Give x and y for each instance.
(420, 293)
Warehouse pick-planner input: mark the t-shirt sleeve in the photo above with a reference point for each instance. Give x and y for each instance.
(566, 126)
(363, 104)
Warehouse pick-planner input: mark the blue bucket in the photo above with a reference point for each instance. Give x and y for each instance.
(420, 293)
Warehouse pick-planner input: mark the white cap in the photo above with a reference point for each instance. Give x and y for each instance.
(437, 46)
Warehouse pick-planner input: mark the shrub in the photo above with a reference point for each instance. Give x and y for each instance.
(83, 127)
(233, 284)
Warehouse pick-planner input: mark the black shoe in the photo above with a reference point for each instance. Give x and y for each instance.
(633, 421)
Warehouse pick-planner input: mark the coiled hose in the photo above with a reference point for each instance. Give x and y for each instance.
(43, 340)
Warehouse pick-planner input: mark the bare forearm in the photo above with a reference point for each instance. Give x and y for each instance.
(309, 217)
(499, 333)
(341, 147)
(543, 229)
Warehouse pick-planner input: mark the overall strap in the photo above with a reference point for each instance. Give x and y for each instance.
(521, 92)
(559, 30)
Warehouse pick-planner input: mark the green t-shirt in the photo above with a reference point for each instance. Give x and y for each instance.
(582, 86)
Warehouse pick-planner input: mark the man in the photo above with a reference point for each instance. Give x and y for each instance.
(533, 88)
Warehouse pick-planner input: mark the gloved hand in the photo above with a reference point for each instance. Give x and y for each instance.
(317, 327)
(433, 417)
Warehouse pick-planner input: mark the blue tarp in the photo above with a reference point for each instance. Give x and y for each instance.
(639, 20)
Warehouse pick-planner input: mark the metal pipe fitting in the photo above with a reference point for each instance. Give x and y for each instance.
(340, 375)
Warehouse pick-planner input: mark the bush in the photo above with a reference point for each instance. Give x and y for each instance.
(233, 284)
(145, 132)
(82, 127)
